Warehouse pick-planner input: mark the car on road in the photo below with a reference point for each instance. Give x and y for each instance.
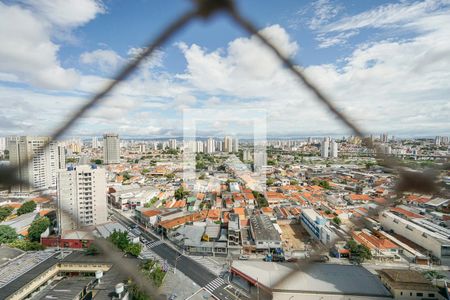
(244, 257)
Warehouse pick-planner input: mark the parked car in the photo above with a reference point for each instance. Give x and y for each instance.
(244, 257)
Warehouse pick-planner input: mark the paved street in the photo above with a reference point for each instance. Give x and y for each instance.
(191, 268)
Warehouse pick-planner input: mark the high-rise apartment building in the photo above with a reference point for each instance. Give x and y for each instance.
(173, 144)
(333, 149)
(210, 146)
(228, 144)
(199, 147)
(82, 196)
(324, 147)
(43, 162)
(437, 141)
(111, 148)
(235, 146)
(2, 144)
(95, 142)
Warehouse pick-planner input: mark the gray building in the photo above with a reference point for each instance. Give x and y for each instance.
(111, 148)
(264, 233)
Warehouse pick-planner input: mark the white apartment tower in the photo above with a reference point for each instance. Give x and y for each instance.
(228, 144)
(235, 146)
(95, 142)
(173, 144)
(333, 149)
(210, 146)
(82, 196)
(2, 144)
(199, 147)
(43, 165)
(111, 148)
(324, 147)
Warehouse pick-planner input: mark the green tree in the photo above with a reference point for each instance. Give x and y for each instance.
(294, 182)
(120, 239)
(170, 176)
(26, 245)
(151, 202)
(71, 160)
(97, 161)
(5, 211)
(180, 193)
(37, 228)
(433, 275)
(136, 293)
(7, 234)
(92, 250)
(27, 207)
(134, 249)
(325, 184)
(359, 252)
(270, 181)
(126, 175)
(337, 221)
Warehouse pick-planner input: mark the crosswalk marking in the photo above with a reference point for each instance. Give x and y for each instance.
(154, 243)
(215, 284)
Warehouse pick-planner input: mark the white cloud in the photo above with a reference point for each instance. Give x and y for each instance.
(389, 86)
(326, 41)
(27, 51)
(66, 13)
(323, 11)
(387, 15)
(104, 60)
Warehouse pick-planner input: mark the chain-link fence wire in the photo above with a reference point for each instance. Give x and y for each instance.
(414, 181)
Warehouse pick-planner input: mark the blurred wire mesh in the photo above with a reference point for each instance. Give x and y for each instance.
(408, 180)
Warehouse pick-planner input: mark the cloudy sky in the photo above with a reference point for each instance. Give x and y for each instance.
(386, 64)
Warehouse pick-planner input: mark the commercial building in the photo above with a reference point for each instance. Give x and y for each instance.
(434, 238)
(317, 226)
(234, 233)
(111, 148)
(44, 275)
(44, 162)
(264, 233)
(409, 284)
(82, 196)
(315, 282)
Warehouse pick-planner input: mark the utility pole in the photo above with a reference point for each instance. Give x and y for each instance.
(176, 260)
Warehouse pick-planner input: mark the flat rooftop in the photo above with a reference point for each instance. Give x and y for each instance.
(263, 228)
(66, 289)
(315, 278)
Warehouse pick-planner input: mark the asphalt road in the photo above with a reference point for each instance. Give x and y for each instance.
(196, 272)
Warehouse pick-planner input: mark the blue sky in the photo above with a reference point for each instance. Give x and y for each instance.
(382, 62)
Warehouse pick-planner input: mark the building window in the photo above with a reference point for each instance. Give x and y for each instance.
(431, 295)
(419, 294)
